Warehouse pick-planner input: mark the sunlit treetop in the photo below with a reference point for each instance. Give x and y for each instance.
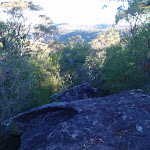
(144, 2)
(20, 5)
(135, 11)
(15, 8)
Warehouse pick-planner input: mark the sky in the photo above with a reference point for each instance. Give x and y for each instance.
(84, 12)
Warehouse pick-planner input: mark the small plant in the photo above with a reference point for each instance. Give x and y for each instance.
(123, 147)
(10, 137)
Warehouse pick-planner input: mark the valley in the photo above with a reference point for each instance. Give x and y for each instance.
(88, 33)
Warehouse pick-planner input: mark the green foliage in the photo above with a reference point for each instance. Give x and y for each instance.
(73, 58)
(105, 39)
(46, 73)
(15, 70)
(40, 96)
(92, 70)
(21, 80)
(123, 66)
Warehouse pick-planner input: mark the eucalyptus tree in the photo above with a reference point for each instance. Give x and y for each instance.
(136, 13)
(127, 64)
(16, 73)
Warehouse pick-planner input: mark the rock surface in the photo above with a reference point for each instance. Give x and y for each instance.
(117, 122)
(76, 93)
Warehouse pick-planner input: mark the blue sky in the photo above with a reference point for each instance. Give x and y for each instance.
(85, 12)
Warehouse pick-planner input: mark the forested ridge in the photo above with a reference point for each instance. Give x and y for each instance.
(88, 33)
(32, 69)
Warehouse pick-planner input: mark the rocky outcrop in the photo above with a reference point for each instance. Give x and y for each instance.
(117, 122)
(76, 93)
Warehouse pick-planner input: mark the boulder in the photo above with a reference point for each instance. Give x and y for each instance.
(116, 122)
(76, 93)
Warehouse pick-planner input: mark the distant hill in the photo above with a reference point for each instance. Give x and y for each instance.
(102, 26)
(69, 30)
(66, 26)
(88, 33)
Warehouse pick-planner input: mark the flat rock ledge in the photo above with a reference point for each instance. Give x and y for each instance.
(117, 122)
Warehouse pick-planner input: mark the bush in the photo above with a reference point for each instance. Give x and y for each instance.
(71, 63)
(123, 68)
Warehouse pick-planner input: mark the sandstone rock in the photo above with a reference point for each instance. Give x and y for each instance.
(114, 122)
(76, 93)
